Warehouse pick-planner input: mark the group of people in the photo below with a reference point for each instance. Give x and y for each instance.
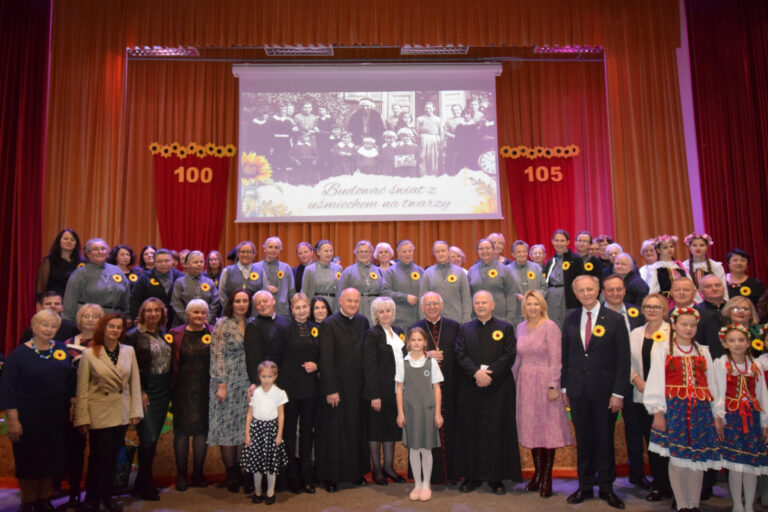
(318, 370)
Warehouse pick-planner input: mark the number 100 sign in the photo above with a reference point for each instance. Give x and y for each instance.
(193, 174)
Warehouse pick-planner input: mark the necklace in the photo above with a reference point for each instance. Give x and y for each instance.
(43, 354)
(746, 367)
(681, 348)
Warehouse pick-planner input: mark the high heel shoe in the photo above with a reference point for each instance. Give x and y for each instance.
(395, 478)
(379, 479)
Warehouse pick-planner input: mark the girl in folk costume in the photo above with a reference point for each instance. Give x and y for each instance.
(699, 264)
(666, 269)
(682, 395)
(744, 431)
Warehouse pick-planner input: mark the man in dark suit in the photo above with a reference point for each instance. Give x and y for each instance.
(157, 282)
(441, 340)
(265, 335)
(52, 300)
(614, 291)
(594, 378)
(304, 253)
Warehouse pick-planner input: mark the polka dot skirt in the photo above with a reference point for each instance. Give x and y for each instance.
(262, 456)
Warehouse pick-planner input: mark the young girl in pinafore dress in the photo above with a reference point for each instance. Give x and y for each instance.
(418, 410)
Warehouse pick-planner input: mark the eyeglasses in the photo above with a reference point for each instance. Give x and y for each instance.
(97, 249)
(431, 304)
(653, 308)
(739, 309)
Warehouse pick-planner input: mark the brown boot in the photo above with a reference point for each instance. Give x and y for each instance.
(533, 485)
(548, 461)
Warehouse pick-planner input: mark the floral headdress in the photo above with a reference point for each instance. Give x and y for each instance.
(661, 239)
(693, 236)
(732, 327)
(683, 311)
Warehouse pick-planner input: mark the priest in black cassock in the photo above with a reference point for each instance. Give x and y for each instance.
(487, 442)
(265, 335)
(342, 454)
(441, 340)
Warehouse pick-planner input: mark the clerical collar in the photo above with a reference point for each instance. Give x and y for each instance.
(268, 317)
(485, 322)
(435, 323)
(345, 315)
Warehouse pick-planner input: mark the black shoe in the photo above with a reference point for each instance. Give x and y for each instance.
(380, 479)
(497, 488)
(270, 500)
(469, 485)
(309, 489)
(112, 506)
(395, 478)
(73, 503)
(44, 506)
(360, 482)
(611, 499)
(247, 481)
(181, 483)
(257, 498)
(199, 481)
(706, 493)
(655, 495)
(640, 481)
(331, 487)
(579, 496)
(150, 494)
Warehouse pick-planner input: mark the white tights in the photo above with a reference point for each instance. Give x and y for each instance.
(421, 464)
(686, 484)
(270, 484)
(738, 480)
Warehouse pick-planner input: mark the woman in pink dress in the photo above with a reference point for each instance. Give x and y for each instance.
(542, 424)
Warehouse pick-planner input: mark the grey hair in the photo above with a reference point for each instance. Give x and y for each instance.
(93, 241)
(274, 239)
(377, 304)
(197, 303)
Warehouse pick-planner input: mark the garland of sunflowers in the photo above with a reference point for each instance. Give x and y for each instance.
(191, 192)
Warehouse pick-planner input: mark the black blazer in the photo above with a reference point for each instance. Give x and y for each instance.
(145, 289)
(468, 351)
(264, 340)
(637, 289)
(143, 352)
(575, 269)
(604, 368)
(708, 328)
(296, 382)
(379, 364)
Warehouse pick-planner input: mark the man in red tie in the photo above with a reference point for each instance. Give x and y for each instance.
(594, 375)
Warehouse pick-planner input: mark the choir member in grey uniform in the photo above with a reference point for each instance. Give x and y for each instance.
(320, 277)
(194, 285)
(450, 282)
(401, 283)
(244, 274)
(277, 276)
(364, 277)
(490, 275)
(527, 276)
(98, 282)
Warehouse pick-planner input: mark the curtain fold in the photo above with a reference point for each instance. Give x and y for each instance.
(24, 44)
(729, 51)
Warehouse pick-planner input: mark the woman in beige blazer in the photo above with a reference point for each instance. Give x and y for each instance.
(108, 399)
(641, 342)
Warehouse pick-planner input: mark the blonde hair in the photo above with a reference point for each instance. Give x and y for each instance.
(740, 300)
(299, 296)
(84, 309)
(536, 294)
(662, 300)
(46, 314)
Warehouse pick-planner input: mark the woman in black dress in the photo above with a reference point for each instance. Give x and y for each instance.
(124, 257)
(35, 394)
(146, 260)
(319, 310)
(62, 259)
(298, 378)
(739, 282)
(190, 344)
(153, 354)
(383, 349)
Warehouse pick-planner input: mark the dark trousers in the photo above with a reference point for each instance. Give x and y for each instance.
(105, 445)
(300, 413)
(659, 465)
(596, 459)
(75, 458)
(633, 435)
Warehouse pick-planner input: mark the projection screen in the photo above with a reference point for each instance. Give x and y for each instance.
(367, 142)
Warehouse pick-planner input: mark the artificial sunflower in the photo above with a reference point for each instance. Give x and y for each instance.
(451, 278)
(338, 275)
(154, 148)
(206, 339)
(59, 355)
(154, 282)
(280, 274)
(210, 149)
(758, 345)
(133, 278)
(219, 151)
(633, 312)
(505, 151)
(598, 331)
(182, 152)
(415, 276)
(168, 338)
(165, 151)
(659, 336)
(402, 337)
(566, 265)
(230, 150)
(314, 332)
(493, 273)
(117, 278)
(373, 275)
(746, 291)
(254, 276)
(589, 267)
(200, 152)
(205, 287)
(80, 265)
(531, 275)
(497, 335)
(192, 147)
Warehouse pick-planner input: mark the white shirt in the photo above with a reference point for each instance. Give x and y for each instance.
(583, 325)
(622, 312)
(435, 373)
(264, 405)
(396, 344)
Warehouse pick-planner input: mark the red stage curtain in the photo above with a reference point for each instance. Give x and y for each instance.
(729, 51)
(191, 194)
(24, 42)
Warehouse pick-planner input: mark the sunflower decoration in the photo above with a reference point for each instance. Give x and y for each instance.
(497, 335)
(182, 152)
(633, 312)
(746, 291)
(531, 275)
(493, 273)
(117, 278)
(566, 265)
(574, 150)
(165, 151)
(280, 274)
(514, 152)
(253, 276)
(59, 355)
(210, 149)
(175, 146)
(415, 276)
(658, 337)
(200, 152)
(206, 339)
(168, 338)
(154, 282)
(505, 151)
(558, 151)
(539, 151)
(402, 337)
(314, 332)
(338, 275)
(598, 331)
(154, 148)
(205, 287)
(219, 151)
(256, 167)
(192, 147)
(451, 278)
(230, 150)
(373, 275)
(133, 278)
(80, 265)
(758, 345)
(589, 267)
